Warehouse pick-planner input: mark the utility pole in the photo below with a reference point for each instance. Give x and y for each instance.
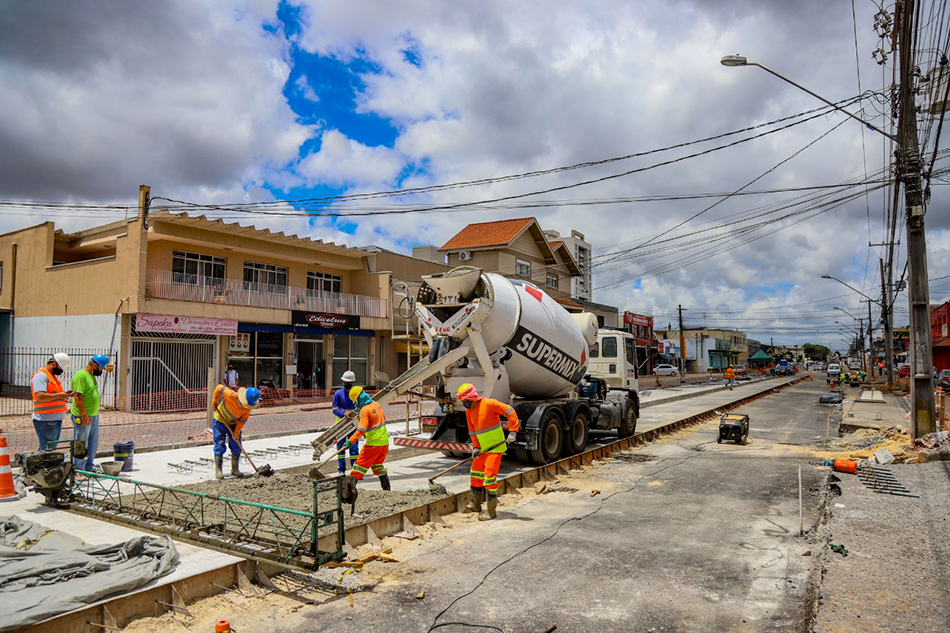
(682, 347)
(870, 368)
(888, 327)
(918, 290)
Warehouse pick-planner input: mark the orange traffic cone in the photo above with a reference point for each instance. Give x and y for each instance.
(7, 489)
(222, 626)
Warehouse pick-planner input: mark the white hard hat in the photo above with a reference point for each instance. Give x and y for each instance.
(349, 376)
(62, 360)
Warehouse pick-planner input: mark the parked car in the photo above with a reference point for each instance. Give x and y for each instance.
(904, 370)
(741, 369)
(833, 372)
(666, 370)
(943, 380)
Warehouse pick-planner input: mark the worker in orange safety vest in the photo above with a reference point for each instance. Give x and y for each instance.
(730, 377)
(484, 425)
(372, 425)
(232, 407)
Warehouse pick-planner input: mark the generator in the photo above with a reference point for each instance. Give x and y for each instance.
(734, 427)
(50, 472)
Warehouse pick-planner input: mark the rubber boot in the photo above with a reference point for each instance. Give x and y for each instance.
(219, 466)
(384, 482)
(475, 504)
(235, 471)
(490, 514)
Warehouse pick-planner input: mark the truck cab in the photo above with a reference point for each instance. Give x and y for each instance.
(613, 359)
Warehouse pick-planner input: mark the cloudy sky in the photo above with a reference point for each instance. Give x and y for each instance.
(225, 102)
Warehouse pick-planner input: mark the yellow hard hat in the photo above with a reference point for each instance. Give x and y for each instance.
(355, 392)
(467, 392)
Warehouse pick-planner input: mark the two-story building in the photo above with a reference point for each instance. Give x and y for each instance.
(169, 296)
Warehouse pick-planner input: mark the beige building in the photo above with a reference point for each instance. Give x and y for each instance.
(170, 296)
(707, 350)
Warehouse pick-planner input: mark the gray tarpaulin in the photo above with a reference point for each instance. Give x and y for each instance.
(45, 572)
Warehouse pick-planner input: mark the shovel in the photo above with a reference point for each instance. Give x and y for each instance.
(264, 471)
(434, 487)
(315, 471)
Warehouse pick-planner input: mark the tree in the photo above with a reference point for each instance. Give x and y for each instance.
(815, 352)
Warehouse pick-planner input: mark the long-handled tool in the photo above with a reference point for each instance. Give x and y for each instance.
(315, 471)
(263, 471)
(467, 459)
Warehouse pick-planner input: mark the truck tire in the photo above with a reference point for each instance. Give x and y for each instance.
(523, 455)
(628, 423)
(550, 438)
(455, 454)
(575, 439)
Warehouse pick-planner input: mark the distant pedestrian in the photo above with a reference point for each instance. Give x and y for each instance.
(231, 377)
(730, 377)
(49, 400)
(342, 404)
(85, 411)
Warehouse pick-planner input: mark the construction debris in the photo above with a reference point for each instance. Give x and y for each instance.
(933, 440)
(863, 443)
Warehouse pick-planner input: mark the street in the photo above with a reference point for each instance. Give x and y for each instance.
(682, 534)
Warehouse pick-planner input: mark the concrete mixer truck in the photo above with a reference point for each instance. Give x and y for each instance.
(510, 339)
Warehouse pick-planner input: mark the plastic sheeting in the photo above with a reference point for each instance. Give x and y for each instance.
(46, 572)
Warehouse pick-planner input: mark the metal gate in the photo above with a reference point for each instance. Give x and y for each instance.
(170, 374)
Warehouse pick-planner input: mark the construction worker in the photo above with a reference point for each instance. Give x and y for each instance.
(730, 377)
(231, 377)
(373, 426)
(49, 400)
(342, 404)
(85, 410)
(231, 410)
(484, 425)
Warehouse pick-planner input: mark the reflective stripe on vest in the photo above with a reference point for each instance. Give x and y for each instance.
(491, 436)
(45, 408)
(376, 435)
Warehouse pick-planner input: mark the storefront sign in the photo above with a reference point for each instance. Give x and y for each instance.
(317, 320)
(184, 324)
(240, 343)
(637, 319)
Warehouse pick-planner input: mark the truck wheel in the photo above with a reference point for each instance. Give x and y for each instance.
(455, 454)
(575, 441)
(550, 439)
(628, 424)
(523, 455)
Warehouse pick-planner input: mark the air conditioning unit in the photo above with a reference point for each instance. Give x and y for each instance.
(464, 256)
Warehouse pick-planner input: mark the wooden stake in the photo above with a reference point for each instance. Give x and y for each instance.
(801, 507)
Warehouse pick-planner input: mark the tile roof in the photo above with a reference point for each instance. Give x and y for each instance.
(484, 234)
(554, 245)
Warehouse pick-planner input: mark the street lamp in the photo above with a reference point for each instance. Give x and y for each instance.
(848, 313)
(874, 301)
(739, 60)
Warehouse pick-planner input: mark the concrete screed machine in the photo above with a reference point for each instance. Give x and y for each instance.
(514, 343)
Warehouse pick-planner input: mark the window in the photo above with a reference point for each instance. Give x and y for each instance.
(610, 347)
(595, 350)
(552, 280)
(631, 351)
(197, 269)
(320, 284)
(265, 278)
(522, 268)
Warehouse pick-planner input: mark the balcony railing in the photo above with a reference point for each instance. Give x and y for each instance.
(164, 284)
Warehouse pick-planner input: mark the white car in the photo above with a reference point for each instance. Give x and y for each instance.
(666, 370)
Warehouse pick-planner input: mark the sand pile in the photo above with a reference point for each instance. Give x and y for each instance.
(862, 444)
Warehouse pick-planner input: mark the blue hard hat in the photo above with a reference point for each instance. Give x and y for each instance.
(253, 394)
(101, 359)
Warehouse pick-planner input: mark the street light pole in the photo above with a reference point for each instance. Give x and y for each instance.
(909, 173)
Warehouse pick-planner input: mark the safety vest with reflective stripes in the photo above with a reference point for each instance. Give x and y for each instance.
(730, 374)
(228, 409)
(484, 423)
(372, 426)
(45, 408)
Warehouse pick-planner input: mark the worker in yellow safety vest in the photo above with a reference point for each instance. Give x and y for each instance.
(484, 425)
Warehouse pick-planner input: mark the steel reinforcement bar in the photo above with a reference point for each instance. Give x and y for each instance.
(377, 529)
(253, 530)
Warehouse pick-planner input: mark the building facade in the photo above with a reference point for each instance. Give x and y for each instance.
(170, 296)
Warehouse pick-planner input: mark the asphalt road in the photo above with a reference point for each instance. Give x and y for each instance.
(682, 534)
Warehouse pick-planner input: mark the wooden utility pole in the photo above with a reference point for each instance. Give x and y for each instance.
(682, 346)
(918, 290)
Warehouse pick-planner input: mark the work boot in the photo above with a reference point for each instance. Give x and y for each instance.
(235, 471)
(475, 504)
(492, 504)
(384, 482)
(218, 466)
